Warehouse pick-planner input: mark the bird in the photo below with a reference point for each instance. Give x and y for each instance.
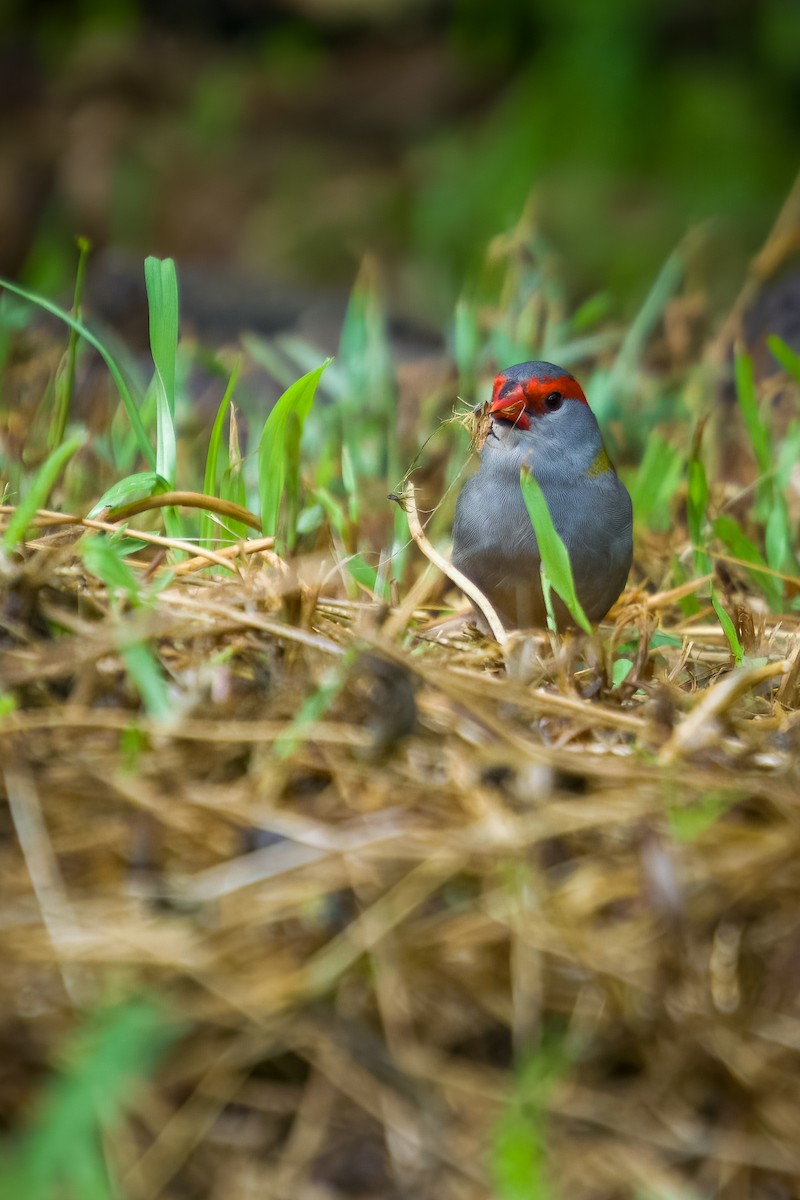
(540, 419)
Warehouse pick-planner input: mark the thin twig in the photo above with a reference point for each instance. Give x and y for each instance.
(453, 574)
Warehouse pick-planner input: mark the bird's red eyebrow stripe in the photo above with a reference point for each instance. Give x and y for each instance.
(537, 389)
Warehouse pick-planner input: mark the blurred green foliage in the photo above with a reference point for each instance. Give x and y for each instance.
(62, 1153)
(627, 122)
(634, 119)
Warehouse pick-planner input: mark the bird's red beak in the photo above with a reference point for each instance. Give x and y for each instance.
(509, 404)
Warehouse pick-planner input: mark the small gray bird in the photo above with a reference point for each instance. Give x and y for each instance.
(541, 419)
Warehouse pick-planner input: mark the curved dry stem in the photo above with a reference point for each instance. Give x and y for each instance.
(224, 508)
(469, 589)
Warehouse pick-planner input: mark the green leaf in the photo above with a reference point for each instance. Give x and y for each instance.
(661, 638)
(697, 503)
(778, 535)
(785, 355)
(162, 298)
(331, 509)
(553, 552)
(212, 472)
(687, 822)
(728, 628)
(756, 429)
(466, 341)
(519, 1144)
(41, 487)
(232, 485)
(362, 572)
(122, 387)
(147, 677)
(620, 671)
(103, 557)
(291, 491)
(608, 385)
(729, 532)
(315, 705)
(656, 482)
(788, 455)
(61, 1154)
(590, 312)
(132, 487)
(272, 447)
(65, 376)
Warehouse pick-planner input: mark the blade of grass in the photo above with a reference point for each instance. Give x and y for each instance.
(104, 557)
(133, 487)
(609, 384)
(519, 1144)
(272, 449)
(65, 376)
(146, 676)
(656, 482)
(728, 628)
(40, 489)
(212, 473)
(162, 298)
(789, 360)
(731, 535)
(756, 429)
(696, 508)
(232, 486)
(553, 552)
(111, 1052)
(126, 395)
(315, 705)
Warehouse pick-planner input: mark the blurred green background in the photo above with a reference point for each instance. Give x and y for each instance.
(283, 141)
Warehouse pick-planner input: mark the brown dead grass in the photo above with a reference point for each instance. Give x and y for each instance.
(471, 850)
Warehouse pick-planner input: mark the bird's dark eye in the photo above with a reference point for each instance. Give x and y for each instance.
(553, 401)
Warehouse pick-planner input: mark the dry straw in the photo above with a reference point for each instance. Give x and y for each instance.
(367, 913)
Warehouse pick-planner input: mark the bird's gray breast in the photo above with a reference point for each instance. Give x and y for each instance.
(493, 539)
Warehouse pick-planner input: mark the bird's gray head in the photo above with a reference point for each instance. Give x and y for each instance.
(539, 404)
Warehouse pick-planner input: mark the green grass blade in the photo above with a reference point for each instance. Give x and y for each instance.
(126, 395)
(162, 299)
(147, 678)
(688, 822)
(112, 1051)
(728, 628)
(102, 557)
(40, 489)
(65, 377)
(656, 482)
(789, 360)
(232, 485)
(553, 552)
(696, 507)
(756, 429)
(272, 447)
(608, 385)
(778, 537)
(665, 285)
(519, 1144)
(212, 471)
(331, 509)
(736, 541)
(466, 344)
(132, 487)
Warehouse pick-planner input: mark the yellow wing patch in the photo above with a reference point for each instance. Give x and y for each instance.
(601, 464)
